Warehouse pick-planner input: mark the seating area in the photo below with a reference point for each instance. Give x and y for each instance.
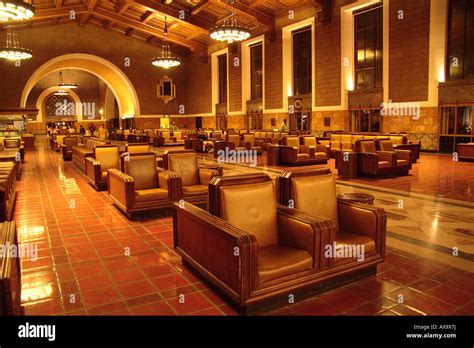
(236, 158)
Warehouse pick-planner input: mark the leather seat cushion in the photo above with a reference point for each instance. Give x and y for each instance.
(278, 261)
(353, 242)
(302, 155)
(149, 195)
(320, 155)
(402, 162)
(384, 164)
(242, 207)
(195, 190)
(323, 204)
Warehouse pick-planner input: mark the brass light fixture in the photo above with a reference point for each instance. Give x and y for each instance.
(230, 30)
(15, 10)
(12, 51)
(64, 85)
(166, 60)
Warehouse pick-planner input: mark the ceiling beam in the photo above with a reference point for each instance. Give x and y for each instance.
(147, 16)
(84, 18)
(150, 30)
(174, 14)
(128, 32)
(91, 5)
(58, 12)
(256, 3)
(124, 5)
(59, 3)
(199, 7)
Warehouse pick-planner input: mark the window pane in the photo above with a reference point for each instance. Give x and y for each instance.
(464, 123)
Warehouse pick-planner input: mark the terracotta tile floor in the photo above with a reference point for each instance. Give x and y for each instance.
(93, 261)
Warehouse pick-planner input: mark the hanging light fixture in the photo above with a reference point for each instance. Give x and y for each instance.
(12, 50)
(64, 85)
(15, 10)
(230, 30)
(166, 60)
(61, 92)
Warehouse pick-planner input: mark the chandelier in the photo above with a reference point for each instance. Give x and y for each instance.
(12, 50)
(15, 10)
(64, 85)
(230, 30)
(166, 60)
(61, 92)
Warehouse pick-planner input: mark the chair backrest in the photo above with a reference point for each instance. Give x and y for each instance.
(234, 138)
(178, 135)
(12, 143)
(233, 197)
(216, 135)
(312, 191)
(166, 135)
(59, 139)
(250, 138)
(142, 168)
(397, 140)
(185, 164)
(309, 141)
(292, 141)
(108, 156)
(137, 148)
(367, 146)
(69, 142)
(385, 145)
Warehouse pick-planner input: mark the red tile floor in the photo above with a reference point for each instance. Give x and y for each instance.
(92, 260)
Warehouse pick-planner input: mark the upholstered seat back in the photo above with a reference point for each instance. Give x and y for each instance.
(249, 138)
(396, 140)
(186, 166)
(234, 138)
(258, 135)
(12, 143)
(242, 207)
(216, 135)
(369, 137)
(367, 146)
(69, 142)
(356, 137)
(316, 195)
(59, 139)
(292, 141)
(386, 145)
(309, 141)
(126, 131)
(108, 156)
(138, 148)
(178, 135)
(165, 135)
(142, 168)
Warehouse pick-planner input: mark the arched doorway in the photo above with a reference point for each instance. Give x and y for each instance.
(116, 80)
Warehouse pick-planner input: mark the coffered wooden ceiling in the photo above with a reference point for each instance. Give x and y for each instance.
(189, 21)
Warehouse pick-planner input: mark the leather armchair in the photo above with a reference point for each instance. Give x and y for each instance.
(58, 141)
(466, 152)
(402, 164)
(278, 249)
(66, 147)
(292, 153)
(164, 138)
(237, 144)
(250, 143)
(373, 162)
(142, 186)
(353, 224)
(8, 179)
(311, 141)
(105, 157)
(15, 144)
(194, 180)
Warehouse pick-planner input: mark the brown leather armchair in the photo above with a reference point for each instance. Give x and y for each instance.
(105, 157)
(311, 141)
(353, 224)
(15, 144)
(251, 252)
(373, 162)
(237, 144)
(403, 157)
(66, 147)
(141, 186)
(194, 180)
(250, 143)
(292, 153)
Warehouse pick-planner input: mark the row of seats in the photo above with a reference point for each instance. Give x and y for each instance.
(139, 185)
(81, 151)
(260, 242)
(8, 179)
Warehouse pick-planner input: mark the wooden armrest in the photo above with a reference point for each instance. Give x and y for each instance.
(121, 188)
(206, 174)
(304, 231)
(171, 182)
(93, 170)
(230, 264)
